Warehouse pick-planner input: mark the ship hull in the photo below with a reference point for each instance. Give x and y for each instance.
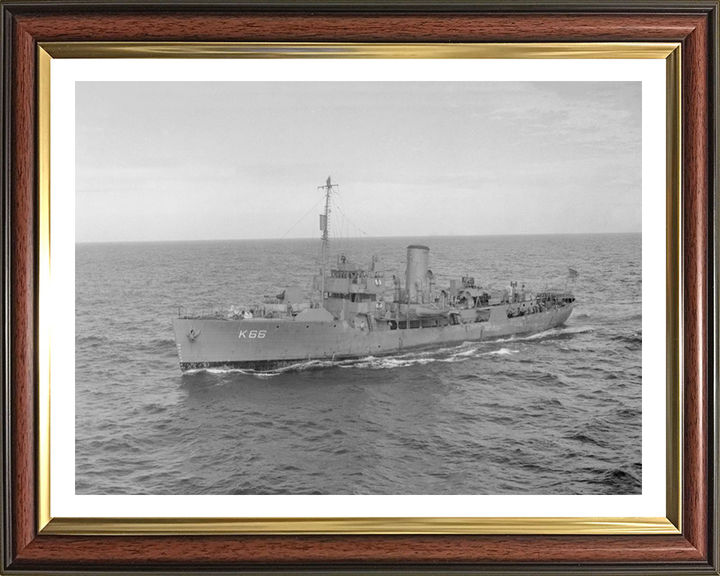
(264, 344)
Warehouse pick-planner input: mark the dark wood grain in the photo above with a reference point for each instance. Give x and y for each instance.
(695, 205)
(358, 27)
(223, 551)
(22, 274)
(688, 553)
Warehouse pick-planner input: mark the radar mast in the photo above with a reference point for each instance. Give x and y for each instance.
(324, 221)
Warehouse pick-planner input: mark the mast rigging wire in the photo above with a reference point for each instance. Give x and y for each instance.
(302, 218)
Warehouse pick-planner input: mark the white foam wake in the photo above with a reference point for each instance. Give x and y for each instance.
(459, 353)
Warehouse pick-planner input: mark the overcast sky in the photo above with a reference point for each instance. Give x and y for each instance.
(235, 160)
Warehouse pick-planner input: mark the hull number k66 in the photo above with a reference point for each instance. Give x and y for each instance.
(252, 333)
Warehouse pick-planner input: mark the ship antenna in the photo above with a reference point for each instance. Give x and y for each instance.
(324, 219)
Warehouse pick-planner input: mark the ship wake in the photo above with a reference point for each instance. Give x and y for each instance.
(448, 354)
(460, 353)
(559, 333)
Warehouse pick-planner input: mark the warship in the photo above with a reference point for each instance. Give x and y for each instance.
(356, 312)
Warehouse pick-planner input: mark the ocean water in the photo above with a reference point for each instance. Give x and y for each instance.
(553, 413)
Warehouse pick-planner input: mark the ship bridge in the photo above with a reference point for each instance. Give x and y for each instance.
(351, 289)
(349, 278)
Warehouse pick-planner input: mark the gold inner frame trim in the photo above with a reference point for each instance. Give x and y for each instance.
(673, 311)
(522, 525)
(179, 526)
(44, 293)
(559, 50)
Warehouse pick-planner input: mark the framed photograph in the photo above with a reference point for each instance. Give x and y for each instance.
(363, 287)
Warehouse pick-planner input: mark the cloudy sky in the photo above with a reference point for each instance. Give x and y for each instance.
(235, 160)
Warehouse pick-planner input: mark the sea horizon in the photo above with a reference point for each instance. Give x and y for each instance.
(360, 237)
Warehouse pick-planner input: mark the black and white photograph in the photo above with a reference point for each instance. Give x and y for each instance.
(358, 288)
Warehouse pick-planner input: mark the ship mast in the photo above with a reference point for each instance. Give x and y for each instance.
(324, 221)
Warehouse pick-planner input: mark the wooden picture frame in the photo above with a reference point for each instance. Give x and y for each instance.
(32, 544)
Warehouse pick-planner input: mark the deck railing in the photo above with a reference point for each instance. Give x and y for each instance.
(203, 312)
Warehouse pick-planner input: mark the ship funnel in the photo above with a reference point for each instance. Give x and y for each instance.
(416, 273)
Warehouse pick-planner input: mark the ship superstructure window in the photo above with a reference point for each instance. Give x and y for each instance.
(361, 297)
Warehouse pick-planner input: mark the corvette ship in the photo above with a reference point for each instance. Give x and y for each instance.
(356, 311)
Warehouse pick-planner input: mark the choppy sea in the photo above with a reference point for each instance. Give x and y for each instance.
(552, 413)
